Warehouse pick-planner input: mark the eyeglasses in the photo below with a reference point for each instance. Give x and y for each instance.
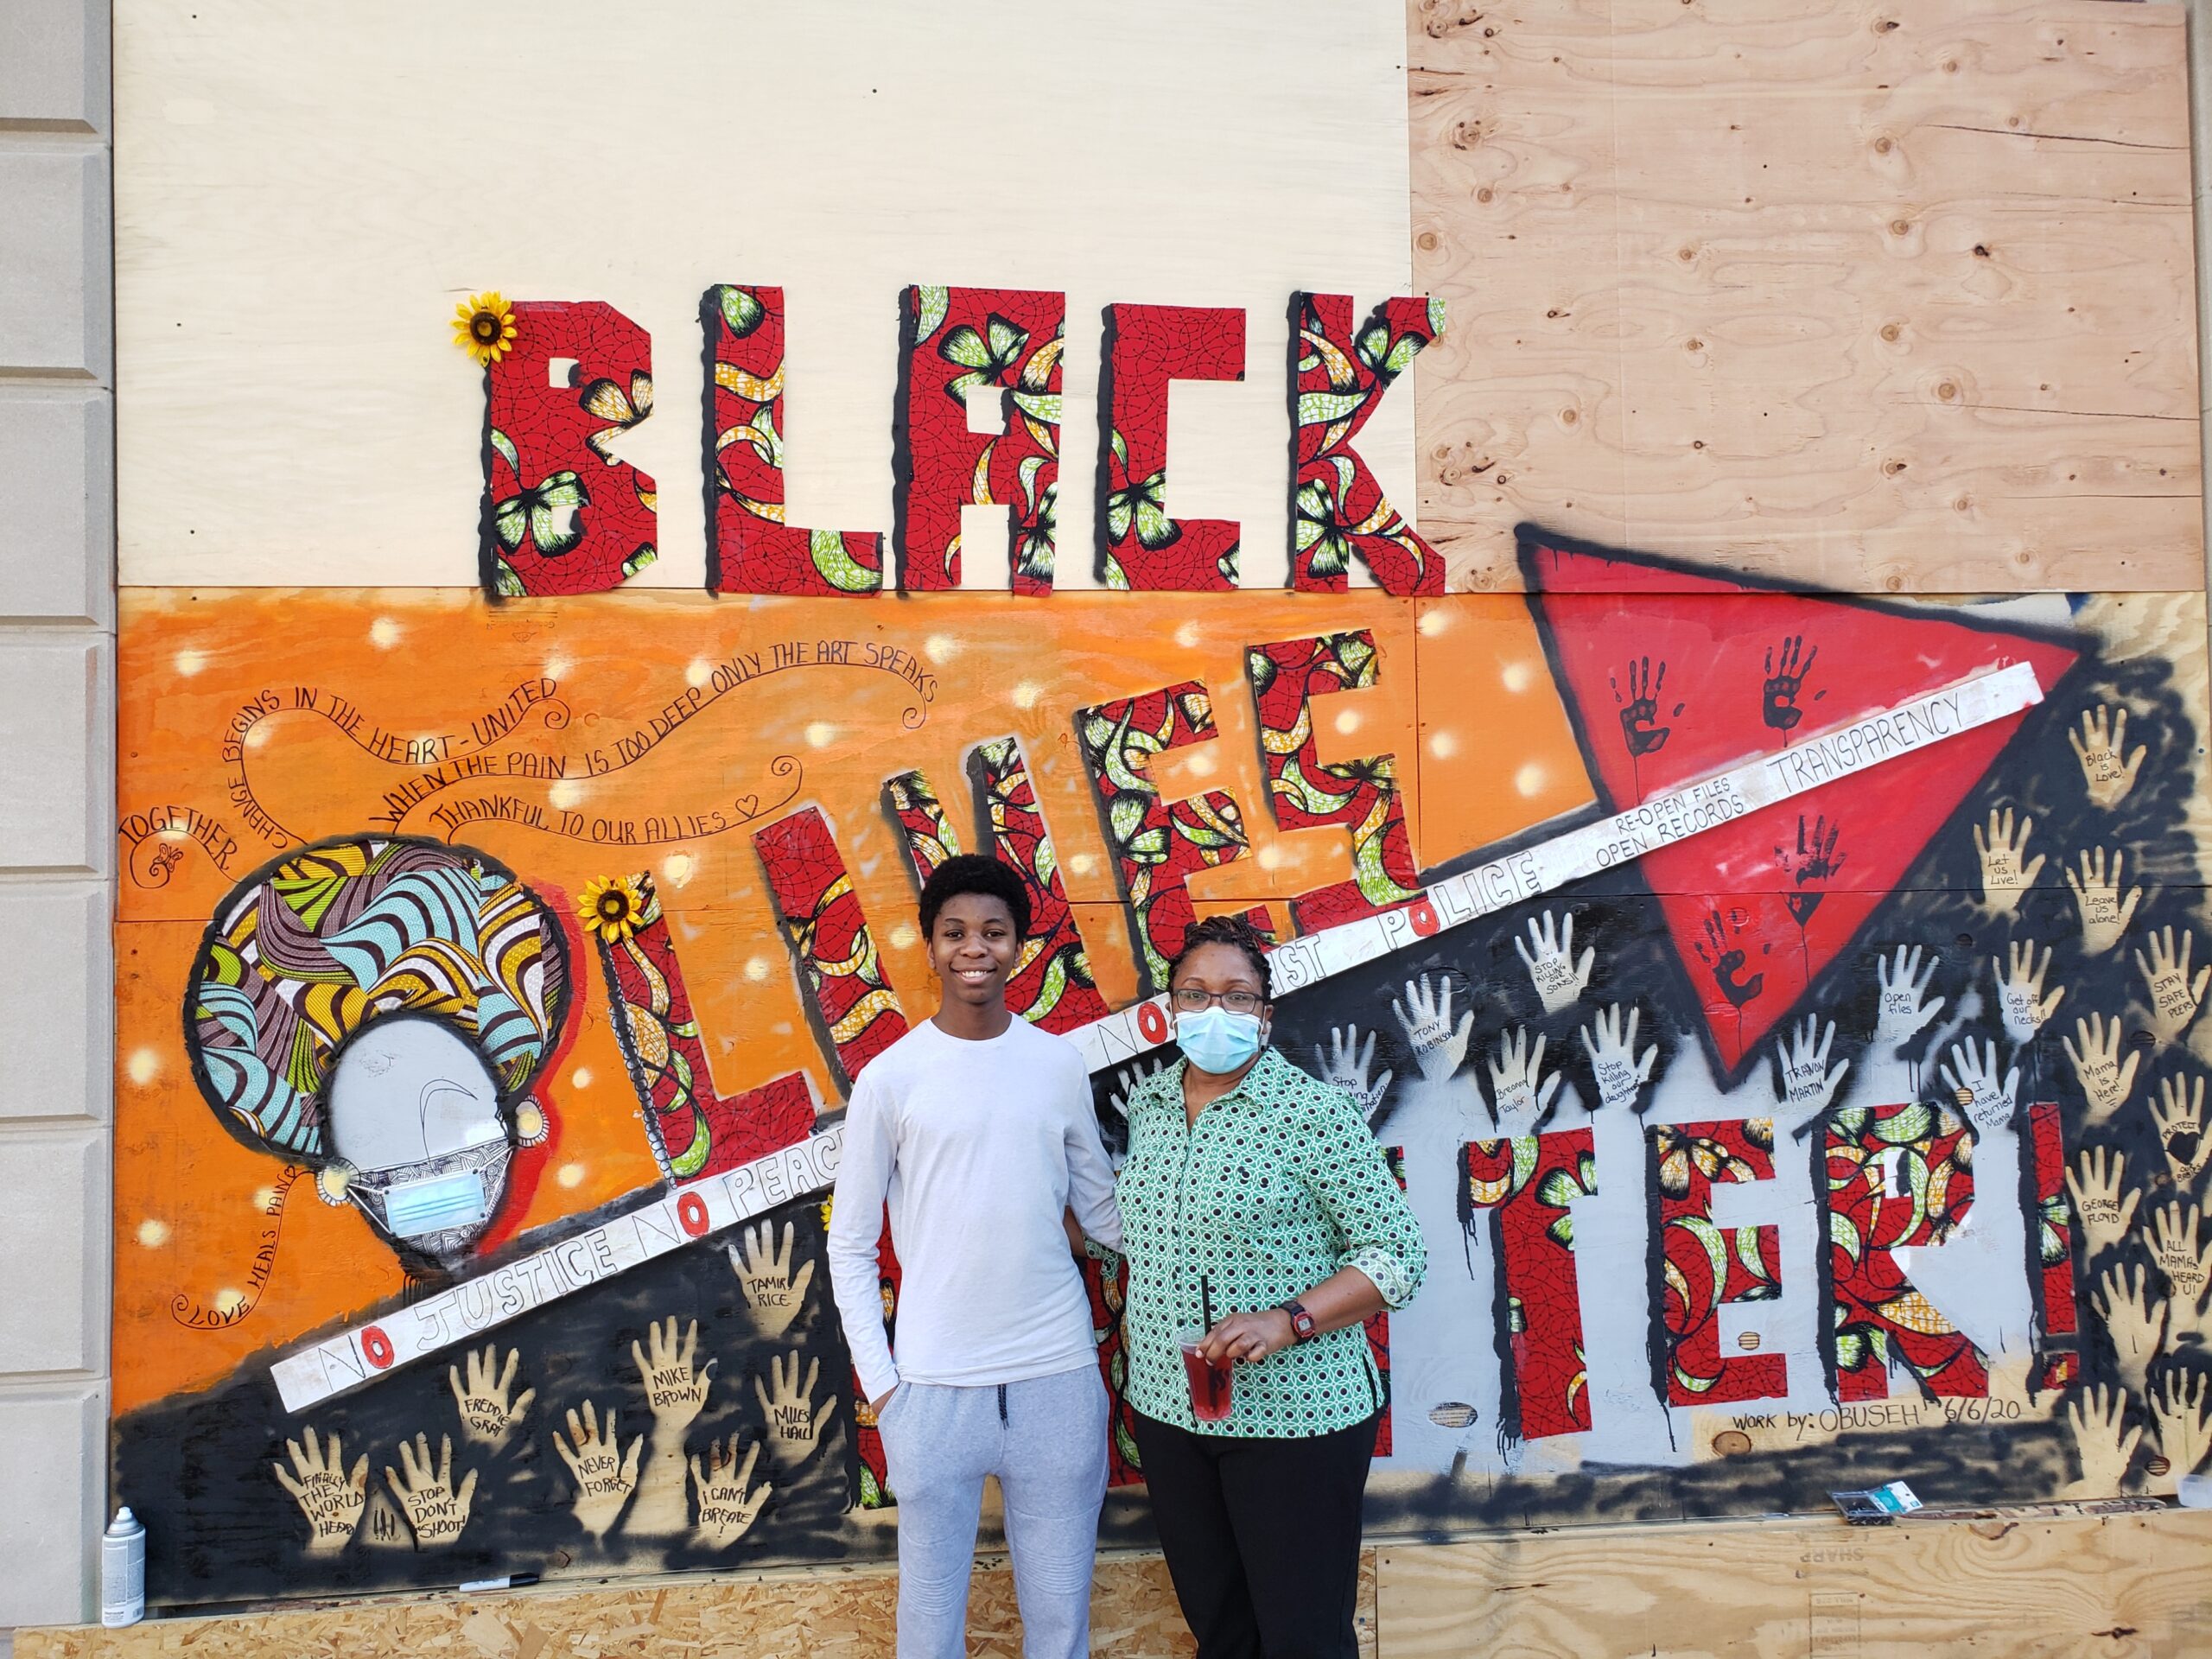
(1189, 998)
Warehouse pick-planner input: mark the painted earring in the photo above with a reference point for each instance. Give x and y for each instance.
(332, 1180)
(530, 1123)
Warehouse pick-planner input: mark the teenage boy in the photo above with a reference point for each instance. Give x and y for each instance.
(977, 1130)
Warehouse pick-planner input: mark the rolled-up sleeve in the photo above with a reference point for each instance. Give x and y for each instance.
(1351, 1178)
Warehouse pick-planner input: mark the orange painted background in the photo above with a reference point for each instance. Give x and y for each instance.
(211, 685)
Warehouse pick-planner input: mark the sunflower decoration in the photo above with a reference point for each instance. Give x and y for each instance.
(484, 326)
(613, 906)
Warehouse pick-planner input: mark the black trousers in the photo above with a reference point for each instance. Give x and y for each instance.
(1261, 1536)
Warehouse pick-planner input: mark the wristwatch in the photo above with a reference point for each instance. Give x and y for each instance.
(1302, 1327)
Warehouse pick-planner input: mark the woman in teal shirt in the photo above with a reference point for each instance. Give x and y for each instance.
(1254, 1195)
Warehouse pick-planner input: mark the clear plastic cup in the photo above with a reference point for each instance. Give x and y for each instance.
(1209, 1400)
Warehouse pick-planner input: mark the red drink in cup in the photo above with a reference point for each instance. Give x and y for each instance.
(1209, 1382)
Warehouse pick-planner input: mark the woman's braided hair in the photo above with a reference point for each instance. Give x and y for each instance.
(1234, 931)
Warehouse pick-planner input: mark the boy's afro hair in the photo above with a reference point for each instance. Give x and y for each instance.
(973, 873)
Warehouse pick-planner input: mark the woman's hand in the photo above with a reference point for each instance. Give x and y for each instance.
(1248, 1337)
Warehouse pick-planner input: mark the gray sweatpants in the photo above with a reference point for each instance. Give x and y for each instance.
(1045, 1440)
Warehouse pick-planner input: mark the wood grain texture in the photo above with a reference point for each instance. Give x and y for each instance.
(1132, 1616)
(2115, 1586)
(1888, 298)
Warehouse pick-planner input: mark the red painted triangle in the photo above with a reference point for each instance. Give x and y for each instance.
(1641, 646)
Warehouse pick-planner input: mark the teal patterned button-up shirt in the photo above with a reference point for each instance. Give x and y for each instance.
(1277, 1185)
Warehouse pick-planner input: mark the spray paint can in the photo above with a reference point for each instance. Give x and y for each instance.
(123, 1570)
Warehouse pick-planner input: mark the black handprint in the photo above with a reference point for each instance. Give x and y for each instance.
(1816, 860)
(1727, 964)
(1639, 710)
(1779, 706)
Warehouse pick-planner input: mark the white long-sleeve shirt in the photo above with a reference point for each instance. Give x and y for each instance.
(977, 1147)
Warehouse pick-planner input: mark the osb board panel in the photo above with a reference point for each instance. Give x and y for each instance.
(303, 196)
(1132, 1616)
(1888, 298)
(2119, 1586)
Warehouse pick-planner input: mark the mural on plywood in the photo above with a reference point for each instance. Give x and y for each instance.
(1778, 1007)
(1792, 1067)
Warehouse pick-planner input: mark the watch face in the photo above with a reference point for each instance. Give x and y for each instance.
(1301, 1322)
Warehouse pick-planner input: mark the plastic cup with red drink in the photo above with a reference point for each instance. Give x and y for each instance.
(1209, 1399)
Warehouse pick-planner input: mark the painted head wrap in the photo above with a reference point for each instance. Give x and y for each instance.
(310, 949)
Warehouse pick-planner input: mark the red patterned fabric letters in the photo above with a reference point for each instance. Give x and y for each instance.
(750, 548)
(1052, 987)
(1361, 795)
(1525, 1185)
(1896, 1176)
(1157, 847)
(1338, 510)
(1704, 1266)
(953, 340)
(694, 1132)
(561, 514)
(2058, 1353)
(1139, 547)
(822, 918)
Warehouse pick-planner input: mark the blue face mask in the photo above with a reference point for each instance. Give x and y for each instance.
(1217, 1041)
(415, 1208)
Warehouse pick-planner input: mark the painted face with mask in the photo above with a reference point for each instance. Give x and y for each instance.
(415, 1115)
(1220, 1013)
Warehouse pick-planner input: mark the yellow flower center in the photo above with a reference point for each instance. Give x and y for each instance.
(614, 906)
(485, 326)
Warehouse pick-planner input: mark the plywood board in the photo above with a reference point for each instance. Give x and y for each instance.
(1132, 1616)
(2118, 1586)
(1891, 299)
(1765, 309)
(303, 197)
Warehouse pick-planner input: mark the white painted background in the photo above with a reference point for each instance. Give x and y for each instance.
(306, 192)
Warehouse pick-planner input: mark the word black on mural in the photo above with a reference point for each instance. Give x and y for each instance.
(564, 383)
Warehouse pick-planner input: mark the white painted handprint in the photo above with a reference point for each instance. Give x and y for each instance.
(1425, 1016)
(1620, 1071)
(1346, 1066)
(1548, 953)
(1520, 1095)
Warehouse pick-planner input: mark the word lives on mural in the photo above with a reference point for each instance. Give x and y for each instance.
(1781, 1008)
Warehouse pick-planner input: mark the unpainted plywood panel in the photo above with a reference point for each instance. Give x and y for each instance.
(1891, 299)
(2117, 1585)
(1132, 1616)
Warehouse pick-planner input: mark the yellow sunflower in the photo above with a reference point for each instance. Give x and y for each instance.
(613, 907)
(484, 326)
